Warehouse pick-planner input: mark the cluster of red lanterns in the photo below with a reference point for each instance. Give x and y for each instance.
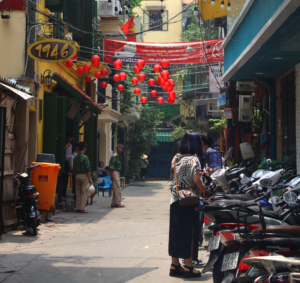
(163, 78)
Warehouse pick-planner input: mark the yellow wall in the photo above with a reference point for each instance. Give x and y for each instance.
(60, 68)
(12, 47)
(174, 29)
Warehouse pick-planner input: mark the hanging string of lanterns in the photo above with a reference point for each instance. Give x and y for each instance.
(163, 79)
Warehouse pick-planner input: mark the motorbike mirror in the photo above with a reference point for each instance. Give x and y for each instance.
(290, 197)
(274, 200)
(227, 153)
(269, 161)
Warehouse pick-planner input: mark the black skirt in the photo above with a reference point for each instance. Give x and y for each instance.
(184, 224)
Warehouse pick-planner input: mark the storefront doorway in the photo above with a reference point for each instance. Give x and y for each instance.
(288, 116)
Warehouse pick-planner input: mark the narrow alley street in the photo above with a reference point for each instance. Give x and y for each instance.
(106, 245)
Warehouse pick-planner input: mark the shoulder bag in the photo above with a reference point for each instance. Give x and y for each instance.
(186, 197)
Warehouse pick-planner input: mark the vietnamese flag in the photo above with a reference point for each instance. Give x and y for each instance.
(129, 27)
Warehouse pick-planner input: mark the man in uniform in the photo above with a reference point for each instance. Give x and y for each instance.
(82, 171)
(115, 166)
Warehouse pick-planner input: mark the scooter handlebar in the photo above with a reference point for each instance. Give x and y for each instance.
(260, 198)
(233, 167)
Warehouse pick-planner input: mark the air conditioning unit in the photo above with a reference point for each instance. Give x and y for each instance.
(246, 86)
(104, 9)
(213, 110)
(245, 108)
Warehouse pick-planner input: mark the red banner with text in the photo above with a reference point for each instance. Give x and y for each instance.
(196, 52)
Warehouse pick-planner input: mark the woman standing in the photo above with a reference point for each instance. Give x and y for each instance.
(184, 220)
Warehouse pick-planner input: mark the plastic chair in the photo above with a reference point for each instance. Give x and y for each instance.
(107, 185)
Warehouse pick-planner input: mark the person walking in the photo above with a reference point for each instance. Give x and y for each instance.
(144, 164)
(115, 166)
(82, 171)
(184, 220)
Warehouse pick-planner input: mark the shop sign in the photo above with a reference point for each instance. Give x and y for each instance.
(43, 178)
(227, 113)
(215, 74)
(51, 50)
(221, 100)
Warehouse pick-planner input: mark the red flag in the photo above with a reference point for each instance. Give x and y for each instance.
(129, 27)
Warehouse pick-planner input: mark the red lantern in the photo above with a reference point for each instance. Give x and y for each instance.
(137, 91)
(79, 70)
(151, 82)
(74, 57)
(172, 95)
(134, 80)
(168, 84)
(97, 75)
(142, 77)
(137, 69)
(122, 76)
(172, 82)
(104, 84)
(118, 64)
(104, 72)
(95, 58)
(95, 64)
(116, 77)
(164, 86)
(171, 101)
(120, 87)
(153, 93)
(88, 79)
(86, 68)
(140, 63)
(160, 100)
(144, 99)
(165, 75)
(69, 63)
(164, 63)
(157, 68)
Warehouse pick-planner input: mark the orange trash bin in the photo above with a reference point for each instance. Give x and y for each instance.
(44, 178)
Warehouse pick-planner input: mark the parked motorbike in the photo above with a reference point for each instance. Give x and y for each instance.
(28, 196)
(225, 251)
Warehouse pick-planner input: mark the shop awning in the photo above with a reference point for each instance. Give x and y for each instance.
(164, 136)
(20, 93)
(77, 93)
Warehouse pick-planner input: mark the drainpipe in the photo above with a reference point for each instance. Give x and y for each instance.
(271, 85)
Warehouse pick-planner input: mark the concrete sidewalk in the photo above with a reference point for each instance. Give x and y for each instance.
(111, 245)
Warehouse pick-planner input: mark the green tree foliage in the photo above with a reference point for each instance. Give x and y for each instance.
(142, 137)
(218, 123)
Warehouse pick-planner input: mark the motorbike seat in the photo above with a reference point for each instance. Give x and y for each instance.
(227, 202)
(243, 197)
(291, 230)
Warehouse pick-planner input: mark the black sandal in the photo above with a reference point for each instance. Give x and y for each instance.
(176, 271)
(190, 273)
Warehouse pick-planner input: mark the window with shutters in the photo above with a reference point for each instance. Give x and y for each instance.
(101, 92)
(31, 39)
(61, 131)
(154, 21)
(50, 123)
(90, 138)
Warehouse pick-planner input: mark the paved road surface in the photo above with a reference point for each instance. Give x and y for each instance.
(106, 245)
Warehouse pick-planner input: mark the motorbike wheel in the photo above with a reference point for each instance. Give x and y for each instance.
(218, 275)
(33, 226)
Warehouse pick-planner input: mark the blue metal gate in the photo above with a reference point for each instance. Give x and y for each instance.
(160, 159)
